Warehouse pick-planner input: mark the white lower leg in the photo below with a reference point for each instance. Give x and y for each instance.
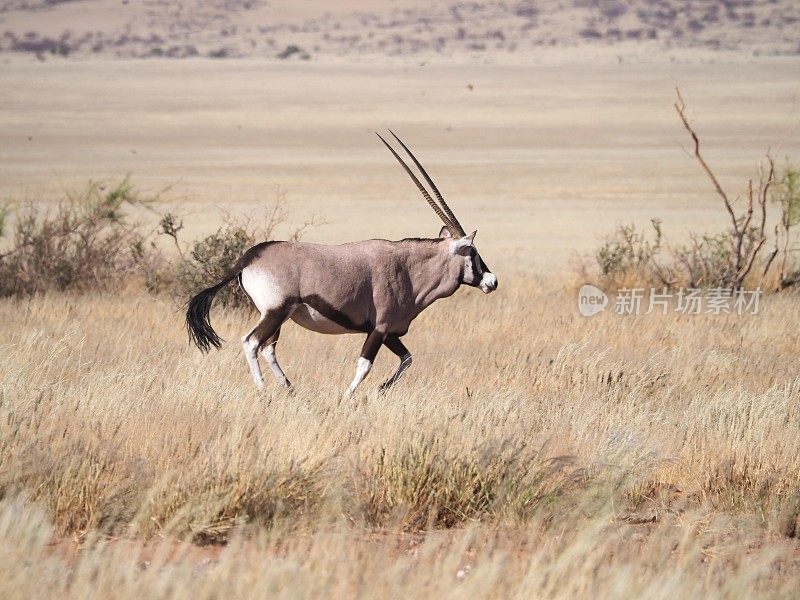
(251, 353)
(405, 362)
(362, 370)
(272, 361)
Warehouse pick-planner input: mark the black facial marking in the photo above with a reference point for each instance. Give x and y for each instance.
(475, 260)
(476, 263)
(484, 268)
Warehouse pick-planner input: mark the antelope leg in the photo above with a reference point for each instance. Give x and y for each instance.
(393, 343)
(368, 353)
(264, 333)
(272, 361)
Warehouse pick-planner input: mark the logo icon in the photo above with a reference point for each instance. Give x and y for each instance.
(591, 300)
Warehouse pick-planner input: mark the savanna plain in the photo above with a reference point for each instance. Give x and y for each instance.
(528, 452)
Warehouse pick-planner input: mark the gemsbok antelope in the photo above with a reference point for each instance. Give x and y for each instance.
(373, 287)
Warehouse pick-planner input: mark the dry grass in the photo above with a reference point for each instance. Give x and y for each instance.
(529, 451)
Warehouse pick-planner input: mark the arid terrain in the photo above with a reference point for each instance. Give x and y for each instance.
(530, 451)
(542, 160)
(361, 29)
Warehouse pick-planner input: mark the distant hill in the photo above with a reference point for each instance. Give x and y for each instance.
(303, 30)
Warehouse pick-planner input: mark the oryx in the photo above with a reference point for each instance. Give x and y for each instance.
(373, 287)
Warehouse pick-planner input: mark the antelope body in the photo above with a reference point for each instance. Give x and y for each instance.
(372, 287)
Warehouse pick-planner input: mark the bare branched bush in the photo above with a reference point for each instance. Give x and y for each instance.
(745, 237)
(721, 260)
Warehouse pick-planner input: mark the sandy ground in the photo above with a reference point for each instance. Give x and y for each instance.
(543, 160)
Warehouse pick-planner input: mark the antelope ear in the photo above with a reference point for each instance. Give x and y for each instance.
(461, 244)
(444, 232)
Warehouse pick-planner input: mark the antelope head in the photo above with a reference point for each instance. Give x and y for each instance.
(463, 253)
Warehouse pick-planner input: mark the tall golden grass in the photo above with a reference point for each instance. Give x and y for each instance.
(528, 451)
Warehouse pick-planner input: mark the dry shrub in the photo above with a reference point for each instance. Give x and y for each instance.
(211, 259)
(628, 250)
(705, 262)
(630, 258)
(625, 257)
(88, 242)
(84, 243)
(206, 261)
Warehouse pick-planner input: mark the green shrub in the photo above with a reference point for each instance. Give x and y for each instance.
(786, 194)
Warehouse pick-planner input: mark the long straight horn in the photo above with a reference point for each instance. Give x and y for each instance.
(450, 226)
(436, 191)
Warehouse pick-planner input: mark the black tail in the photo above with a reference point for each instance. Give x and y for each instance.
(197, 315)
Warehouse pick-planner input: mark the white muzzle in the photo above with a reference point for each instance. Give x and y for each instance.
(488, 283)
